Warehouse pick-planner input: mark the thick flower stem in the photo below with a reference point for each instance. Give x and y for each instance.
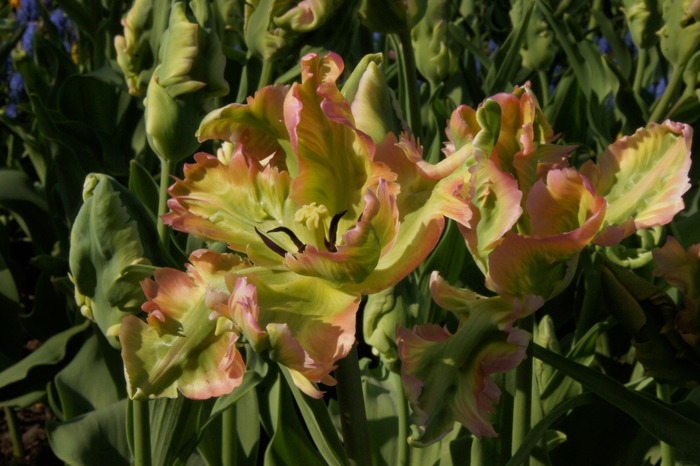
(265, 73)
(668, 454)
(352, 410)
(11, 419)
(662, 104)
(229, 444)
(522, 404)
(402, 419)
(142, 433)
(409, 82)
(165, 167)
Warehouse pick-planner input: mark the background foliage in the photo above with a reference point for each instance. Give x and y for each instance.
(73, 109)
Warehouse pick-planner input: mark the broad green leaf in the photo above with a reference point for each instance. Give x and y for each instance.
(667, 422)
(318, 421)
(143, 186)
(289, 441)
(35, 370)
(98, 437)
(92, 380)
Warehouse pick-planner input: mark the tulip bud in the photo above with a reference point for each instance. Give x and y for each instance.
(132, 47)
(680, 35)
(436, 54)
(391, 16)
(373, 104)
(643, 19)
(538, 51)
(190, 71)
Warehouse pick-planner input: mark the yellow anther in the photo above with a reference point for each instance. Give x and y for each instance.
(312, 215)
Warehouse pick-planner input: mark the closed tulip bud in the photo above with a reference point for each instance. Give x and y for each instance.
(644, 19)
(392, 15)
(190, 71)
(680, 35)
(436, 55)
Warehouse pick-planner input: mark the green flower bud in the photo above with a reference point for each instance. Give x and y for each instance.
(271, 25)
(644, 20)
(539, 50)
(436, 54)
(390, 16)
(680, 35)
(132, 48)
(189, 73)
(374, 106)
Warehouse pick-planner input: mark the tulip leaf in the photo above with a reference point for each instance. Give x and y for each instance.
(667, 422)
(98, 437)
(32, 373)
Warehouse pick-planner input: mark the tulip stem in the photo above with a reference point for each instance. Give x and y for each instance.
(229, 442)
(11, 419)
(408, 81)
(668, 454)
(639, 70)
(353, 419)
(544, 83)
(142, 433)
(165, 167)
(522, 404)
(265, 73)
(402, 453)
(662, 104)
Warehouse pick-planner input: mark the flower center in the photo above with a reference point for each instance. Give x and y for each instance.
(312, 215)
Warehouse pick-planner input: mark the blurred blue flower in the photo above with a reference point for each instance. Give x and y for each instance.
(657, 89)
(59, 19)
(556, 77)
(492, 47)
(603, 45)
(28, 38)
(27, 12)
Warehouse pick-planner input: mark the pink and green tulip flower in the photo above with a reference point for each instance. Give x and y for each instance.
(681, 268)
(323, 213)
(531, 215)
(305, 190)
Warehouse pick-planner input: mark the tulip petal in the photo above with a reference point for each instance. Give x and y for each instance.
(257, 125)
(447, 376)
(310, 323)
(643, 178)
(228, 202)
(495, 208)
(179, 349)
(330, 149)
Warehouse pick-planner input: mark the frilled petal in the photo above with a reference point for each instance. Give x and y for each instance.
(447, 376)
(257, 125)
(333, 158)
(179, 348)
(565, 215)
(495, 207)
(643, 178)
(310, 324)
(681, 269)
(228, 202)
(426, 194)
(355, 258)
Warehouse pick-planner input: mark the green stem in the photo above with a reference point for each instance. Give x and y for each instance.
(353, 419)
(142, 433)
(410, 100)
(668, 454)
(265, 73)
(544, 84)
(522, 404)
(402, 453)
(642, 55)
(229, 443)
(17, 446)
(165, 167)
(659, 111)
(476, 457)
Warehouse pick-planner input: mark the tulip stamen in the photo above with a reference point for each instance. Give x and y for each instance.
(333, 232)
(271, 244)
(295, 239)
